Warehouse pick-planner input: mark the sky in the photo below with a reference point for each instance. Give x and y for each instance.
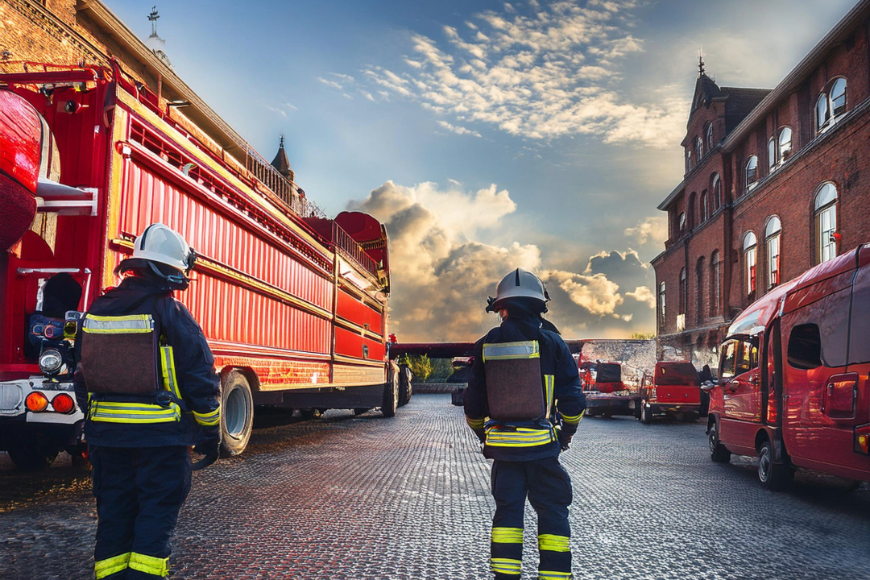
(487, 135)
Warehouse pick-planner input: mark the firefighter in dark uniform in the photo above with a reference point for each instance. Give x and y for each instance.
(524, 402)
(146, 376)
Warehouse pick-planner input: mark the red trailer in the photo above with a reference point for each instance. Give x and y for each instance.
(294, 306)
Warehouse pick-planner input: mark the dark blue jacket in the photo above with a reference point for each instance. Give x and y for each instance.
(194, 366)
(556, 360)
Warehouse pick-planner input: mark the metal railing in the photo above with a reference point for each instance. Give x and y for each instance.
(351, 249)
(285, 189)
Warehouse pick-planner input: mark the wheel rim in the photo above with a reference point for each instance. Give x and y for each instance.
(712, 439)
(236, 413)
(764, 464)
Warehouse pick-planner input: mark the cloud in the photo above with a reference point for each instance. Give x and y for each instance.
(458, 130)
(282, 109)
(544, 75)
(444, 264)
(652, 230)
(643, 294)
(329, 83)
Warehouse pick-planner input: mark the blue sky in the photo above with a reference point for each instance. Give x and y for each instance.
(487, 135)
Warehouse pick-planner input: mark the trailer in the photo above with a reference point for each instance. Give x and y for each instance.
(294, 305)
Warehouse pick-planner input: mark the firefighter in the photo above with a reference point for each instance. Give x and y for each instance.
(524, 403)
(146, 376)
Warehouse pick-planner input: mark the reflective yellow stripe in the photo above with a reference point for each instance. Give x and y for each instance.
(507, 535)
(521, 437)
(554, 543)
(149, 564)
(209, 419)
(507, 566)
(549, 575)
(133, 324)
(167, 368)
(109, 566)
(475, 423)
(573, 419)
(113, 412)
(511, 350)
(549, 383)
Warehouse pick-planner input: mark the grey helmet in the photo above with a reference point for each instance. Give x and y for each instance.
(518, 284)
(160, 244)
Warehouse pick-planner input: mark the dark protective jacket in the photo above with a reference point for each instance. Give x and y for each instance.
(568, 405)
(198, 412)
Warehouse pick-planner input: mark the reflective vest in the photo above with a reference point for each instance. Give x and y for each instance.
(125, 370)
(519, 405)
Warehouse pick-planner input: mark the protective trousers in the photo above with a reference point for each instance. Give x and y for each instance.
(139, 492)
(548, 487)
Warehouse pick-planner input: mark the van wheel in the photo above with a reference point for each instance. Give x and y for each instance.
(405, 388)
(718, 453)
(391, 397)
(773, 476)
(237, 414)
(645, 414)
(32, 454)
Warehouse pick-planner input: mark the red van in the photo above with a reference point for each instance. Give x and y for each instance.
(793, 377)
(604, 377)
(674, 390)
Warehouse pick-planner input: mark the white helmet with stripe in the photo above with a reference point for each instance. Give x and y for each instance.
(161, 244)
(518, 284)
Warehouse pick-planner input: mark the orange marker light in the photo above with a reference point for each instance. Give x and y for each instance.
(864, 442)
(63, 403)
(36, 402)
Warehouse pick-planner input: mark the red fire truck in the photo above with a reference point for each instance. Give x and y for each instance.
(793, 377)
(294, 306)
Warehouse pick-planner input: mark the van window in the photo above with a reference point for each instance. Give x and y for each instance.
(834, 328)
(859, 341)
(805, 347)
(729, 352)
(677, 374)
(747, 357)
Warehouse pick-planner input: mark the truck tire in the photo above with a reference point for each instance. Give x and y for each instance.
(32, 454)
(405, 388)
(391, 397)
(718, 452)
(237, 413)
(773, 476)
(457, 398)
(645, 414)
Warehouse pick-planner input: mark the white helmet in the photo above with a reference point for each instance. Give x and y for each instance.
(518, 284)
(161, 244)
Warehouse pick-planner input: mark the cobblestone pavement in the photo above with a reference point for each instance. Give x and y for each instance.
(359, 498)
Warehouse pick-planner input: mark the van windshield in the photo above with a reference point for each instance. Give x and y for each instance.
(609, 373)
(677, 374)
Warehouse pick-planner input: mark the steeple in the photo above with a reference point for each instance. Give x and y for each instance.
(281, 163)
(154, 42)
(701, 71)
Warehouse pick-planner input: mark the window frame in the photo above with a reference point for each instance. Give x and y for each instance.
(716, 281)
(683, 304)
(716, 188)
(662, 302)
(784, 155)
(772, 156)
(822, 125)
(699, 148)
(750, 260)
(773, 247)
(827, 210)
(702, 208)
(708, 135)
(834, 115)
(752, 160)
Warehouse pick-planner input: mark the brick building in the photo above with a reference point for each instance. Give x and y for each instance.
(776, 181)
(75, 32)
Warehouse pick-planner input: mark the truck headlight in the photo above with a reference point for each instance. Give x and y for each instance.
(50, 361)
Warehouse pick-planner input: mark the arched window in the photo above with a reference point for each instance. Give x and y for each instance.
(750, 250)
(704, 207)
(688, 159)
(709, 136)
(717, 191)
(662, 294)
(826, 223)
(822, 113)
(771, 155)
(751, 172)
(682, 222)
(715, 284)
(699, 148)
(699, 290)
(838, 97)
(772, 235)
(684, 292)
(691, 216)
(784, 144)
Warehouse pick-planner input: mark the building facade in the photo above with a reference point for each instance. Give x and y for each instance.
(776, 181)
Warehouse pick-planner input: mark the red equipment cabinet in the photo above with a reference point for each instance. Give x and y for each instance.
(793, 387)
(294, 308)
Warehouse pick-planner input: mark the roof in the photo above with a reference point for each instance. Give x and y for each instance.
(281, 163)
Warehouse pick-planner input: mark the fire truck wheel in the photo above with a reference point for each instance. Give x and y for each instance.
(405, 388)
(718, 452)
(391, 397)
(32, 454)
(237, 413)
(645, 414)
(773, 476)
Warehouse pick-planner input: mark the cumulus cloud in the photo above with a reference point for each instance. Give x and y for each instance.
(643, 294)
(653, 230)
(443, 266)
(458, 130)
(542, 73)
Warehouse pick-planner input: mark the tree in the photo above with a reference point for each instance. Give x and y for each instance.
(643, 335)
(441, 369)
(420, 365)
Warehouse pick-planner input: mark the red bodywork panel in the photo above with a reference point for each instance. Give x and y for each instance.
(20, 153)
(676, 383)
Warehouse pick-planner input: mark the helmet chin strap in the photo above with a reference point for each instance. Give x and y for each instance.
(177, 281)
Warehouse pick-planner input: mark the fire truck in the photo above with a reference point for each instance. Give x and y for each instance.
(294, 305)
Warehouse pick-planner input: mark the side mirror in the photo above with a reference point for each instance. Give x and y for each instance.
(708, 386)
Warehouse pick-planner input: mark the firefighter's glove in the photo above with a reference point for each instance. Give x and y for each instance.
(565, 440)
(210, 450)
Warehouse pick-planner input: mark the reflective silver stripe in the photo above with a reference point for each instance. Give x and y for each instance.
(511, 350)
(139, 322)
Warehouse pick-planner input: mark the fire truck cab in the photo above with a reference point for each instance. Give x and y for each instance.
(793, 384)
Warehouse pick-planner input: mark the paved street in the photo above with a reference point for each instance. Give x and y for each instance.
(360, 498)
